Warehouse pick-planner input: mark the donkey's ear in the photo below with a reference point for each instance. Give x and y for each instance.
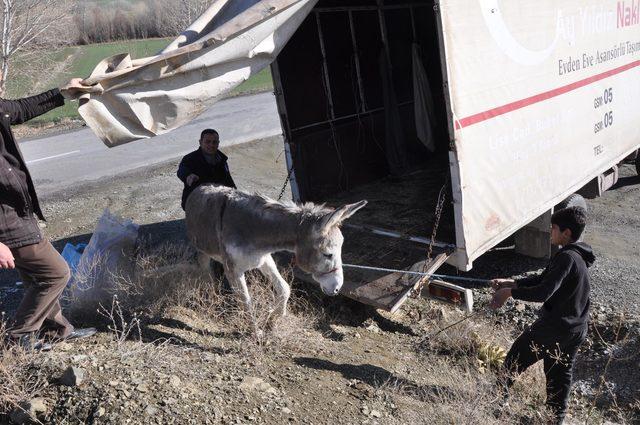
(351, 209)
(336, 217)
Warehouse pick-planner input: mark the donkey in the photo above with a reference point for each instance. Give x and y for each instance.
(241, 231)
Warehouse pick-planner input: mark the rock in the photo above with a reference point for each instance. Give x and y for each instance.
(29, 411)
(520, 307)
(376, 414)
(286, 410)
(151, 410)
(175, 381)
(63, 346)
(100, 412)
(251, 383)
(72, 377)
(142, 388)
(79, 358)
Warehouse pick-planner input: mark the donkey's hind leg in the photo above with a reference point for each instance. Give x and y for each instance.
(282, 288)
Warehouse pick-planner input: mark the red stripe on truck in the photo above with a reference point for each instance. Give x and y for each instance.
(519, 104)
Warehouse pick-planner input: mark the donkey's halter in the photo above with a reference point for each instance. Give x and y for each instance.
(329, 272)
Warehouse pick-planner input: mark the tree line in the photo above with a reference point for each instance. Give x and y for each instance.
(126, 20)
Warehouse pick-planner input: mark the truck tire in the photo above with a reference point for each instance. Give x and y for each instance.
(574, 200)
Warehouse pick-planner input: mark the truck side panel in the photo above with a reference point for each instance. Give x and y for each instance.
(544, 97)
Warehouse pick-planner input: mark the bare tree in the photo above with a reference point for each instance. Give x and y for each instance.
(181, 13)
(29, 24)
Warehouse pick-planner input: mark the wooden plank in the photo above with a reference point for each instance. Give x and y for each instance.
(387, 291)
(433, 265)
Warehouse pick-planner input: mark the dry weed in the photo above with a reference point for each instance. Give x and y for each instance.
(21, 376)
(166, 278)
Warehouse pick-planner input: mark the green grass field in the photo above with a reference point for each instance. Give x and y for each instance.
(79, 61)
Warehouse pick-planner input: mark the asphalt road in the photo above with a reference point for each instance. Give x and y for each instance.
(58, 162)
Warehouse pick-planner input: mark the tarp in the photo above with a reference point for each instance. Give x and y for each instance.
(422, 101)
(545, 96)
(232, 40)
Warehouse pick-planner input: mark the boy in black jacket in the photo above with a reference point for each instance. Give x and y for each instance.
(562, 327)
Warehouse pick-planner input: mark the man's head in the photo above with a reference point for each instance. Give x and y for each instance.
(567, 225)
(209, 141)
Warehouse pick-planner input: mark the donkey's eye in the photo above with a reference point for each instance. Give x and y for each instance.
(328, 256)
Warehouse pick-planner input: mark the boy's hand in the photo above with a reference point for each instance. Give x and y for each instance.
(497, 284)
(499, 298)
(6, 257)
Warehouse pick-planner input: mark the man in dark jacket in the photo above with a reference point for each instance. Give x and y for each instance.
(43, 271)
(205, 165)
(563, 287)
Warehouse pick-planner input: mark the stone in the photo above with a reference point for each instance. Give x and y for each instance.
(29, 411)
(151, 410)
(376, 414)
(79, 358)
(251, 383)
(520, 307)
(175, 381)
(100, 412)
(72, 377)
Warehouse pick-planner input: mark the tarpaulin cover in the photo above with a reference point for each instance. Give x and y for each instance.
(232, 40)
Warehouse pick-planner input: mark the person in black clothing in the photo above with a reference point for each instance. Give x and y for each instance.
(43, 271)
(563, 287)
(205, 165)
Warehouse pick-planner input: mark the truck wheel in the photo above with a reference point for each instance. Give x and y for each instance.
(574, 200)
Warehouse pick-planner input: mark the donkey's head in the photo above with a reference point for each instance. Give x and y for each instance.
(319, 248)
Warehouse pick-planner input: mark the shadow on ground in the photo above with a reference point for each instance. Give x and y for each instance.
(376, 377)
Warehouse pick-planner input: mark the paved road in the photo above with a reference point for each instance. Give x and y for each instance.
(59, 161)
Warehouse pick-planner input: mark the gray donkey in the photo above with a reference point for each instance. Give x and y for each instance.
(241, 231)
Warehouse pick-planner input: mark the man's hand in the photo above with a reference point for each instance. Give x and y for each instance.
(6, 257)
(497, 284)
(74, 88)
(499, 298)
(191, 179)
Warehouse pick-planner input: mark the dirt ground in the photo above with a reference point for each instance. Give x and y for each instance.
(332, 360)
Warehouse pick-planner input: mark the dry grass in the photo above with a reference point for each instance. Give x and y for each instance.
(467, 385)
(21, 373)
(460, 374)
(165, 278)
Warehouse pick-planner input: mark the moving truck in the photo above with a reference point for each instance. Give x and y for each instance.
(463, 122)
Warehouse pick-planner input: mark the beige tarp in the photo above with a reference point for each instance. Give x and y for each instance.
(232, 40)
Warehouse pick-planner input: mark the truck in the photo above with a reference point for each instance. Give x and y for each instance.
(462, 122)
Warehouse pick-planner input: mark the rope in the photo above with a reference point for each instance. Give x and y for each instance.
(440, 276)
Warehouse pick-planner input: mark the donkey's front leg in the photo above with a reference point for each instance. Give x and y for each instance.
(282, 288)
(239, 287)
